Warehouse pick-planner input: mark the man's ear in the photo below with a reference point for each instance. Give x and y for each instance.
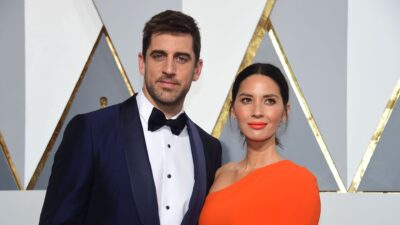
(142, 64)
(197, 70)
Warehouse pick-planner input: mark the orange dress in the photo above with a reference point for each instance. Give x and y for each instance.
(282, 193)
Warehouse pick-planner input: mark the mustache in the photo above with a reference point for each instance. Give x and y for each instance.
(168, 79)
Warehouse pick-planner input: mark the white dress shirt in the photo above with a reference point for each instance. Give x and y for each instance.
(172, 166)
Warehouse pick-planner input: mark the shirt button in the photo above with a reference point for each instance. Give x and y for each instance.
(169, 146)
(167, 207)
(169, 176)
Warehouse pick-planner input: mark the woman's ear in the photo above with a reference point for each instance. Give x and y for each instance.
(287, 108)
(286, 114)
(231, 112)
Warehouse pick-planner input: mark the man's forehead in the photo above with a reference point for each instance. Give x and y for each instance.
(167, 42)
(177, 34)
(181, 36)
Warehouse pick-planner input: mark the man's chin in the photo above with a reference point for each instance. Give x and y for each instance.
(167, 97)
(167, 100)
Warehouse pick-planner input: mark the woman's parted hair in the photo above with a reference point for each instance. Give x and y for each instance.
(267, 70)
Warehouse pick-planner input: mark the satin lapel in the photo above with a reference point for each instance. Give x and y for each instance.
(141, 177)
(200, 185)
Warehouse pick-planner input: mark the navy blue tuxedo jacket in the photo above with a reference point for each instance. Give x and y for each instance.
(102, 174)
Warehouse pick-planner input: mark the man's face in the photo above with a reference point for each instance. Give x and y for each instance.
(169, 69)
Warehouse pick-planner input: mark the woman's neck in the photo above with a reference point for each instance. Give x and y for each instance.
(260, 154)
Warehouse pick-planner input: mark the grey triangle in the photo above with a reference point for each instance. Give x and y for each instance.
(298, 140)
(383, 171)
(124, 21)
(13, 80)
(101, 79)
(7, 181)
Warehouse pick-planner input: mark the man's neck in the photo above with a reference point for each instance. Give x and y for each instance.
(169, 110)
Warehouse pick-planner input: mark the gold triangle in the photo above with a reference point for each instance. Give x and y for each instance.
(10, 163)
(118, 62)
(256, 39)
(306, 109)
(375, 139)
(265, 26)
(61, 121)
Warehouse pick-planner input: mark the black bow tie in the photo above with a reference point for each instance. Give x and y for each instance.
(157, 120)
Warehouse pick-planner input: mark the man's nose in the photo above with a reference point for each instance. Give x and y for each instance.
(170, 66)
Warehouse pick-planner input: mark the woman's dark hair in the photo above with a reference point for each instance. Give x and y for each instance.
(267, 70)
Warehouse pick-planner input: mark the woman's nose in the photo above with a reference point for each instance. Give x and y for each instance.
(257, 110)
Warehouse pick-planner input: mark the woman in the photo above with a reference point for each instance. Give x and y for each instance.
(263, 188)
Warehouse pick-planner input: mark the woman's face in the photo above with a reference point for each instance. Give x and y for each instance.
(259, 108)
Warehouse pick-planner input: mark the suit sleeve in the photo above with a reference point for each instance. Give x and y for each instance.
(219, 156)
(213, 158)
(69, 188)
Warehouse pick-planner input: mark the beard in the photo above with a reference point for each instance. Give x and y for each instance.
(166, 96)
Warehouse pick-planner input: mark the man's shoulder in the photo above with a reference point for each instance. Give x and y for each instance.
(205, 134)
(109, 114)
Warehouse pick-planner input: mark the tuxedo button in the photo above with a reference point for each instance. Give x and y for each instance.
(169, 176)
(169, 146)
(167, 207)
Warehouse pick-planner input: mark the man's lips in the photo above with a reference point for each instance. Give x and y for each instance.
(257, 125)
(168, 83)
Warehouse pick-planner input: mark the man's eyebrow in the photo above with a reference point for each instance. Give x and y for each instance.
(183, 53)
(158, 52)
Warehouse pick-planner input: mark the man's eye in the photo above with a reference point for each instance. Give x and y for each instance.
(182, 58)
(158, 56)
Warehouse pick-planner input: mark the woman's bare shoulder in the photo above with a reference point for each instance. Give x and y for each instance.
(224, 176)
(226, 169)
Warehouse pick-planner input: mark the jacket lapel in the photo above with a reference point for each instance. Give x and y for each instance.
(140, 174)
(200, 185)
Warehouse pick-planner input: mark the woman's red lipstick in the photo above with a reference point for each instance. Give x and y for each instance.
(257, 125)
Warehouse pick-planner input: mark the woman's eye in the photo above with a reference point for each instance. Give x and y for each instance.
(270, 101)
(245, 100)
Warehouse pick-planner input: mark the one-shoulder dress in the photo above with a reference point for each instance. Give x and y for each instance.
(282, 193)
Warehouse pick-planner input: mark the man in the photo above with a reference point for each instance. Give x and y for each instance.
(141, 162)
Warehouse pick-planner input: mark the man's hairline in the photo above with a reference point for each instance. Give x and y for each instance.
(173, 33)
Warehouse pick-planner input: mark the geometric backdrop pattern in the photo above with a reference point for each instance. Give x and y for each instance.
(382, 173)
(302, 134)
(101, 84)
(12, 94)
(296, 133)
(331, 86)
(312, 160)
(7, 179)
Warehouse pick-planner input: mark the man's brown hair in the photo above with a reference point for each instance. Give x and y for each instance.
(172, 22)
